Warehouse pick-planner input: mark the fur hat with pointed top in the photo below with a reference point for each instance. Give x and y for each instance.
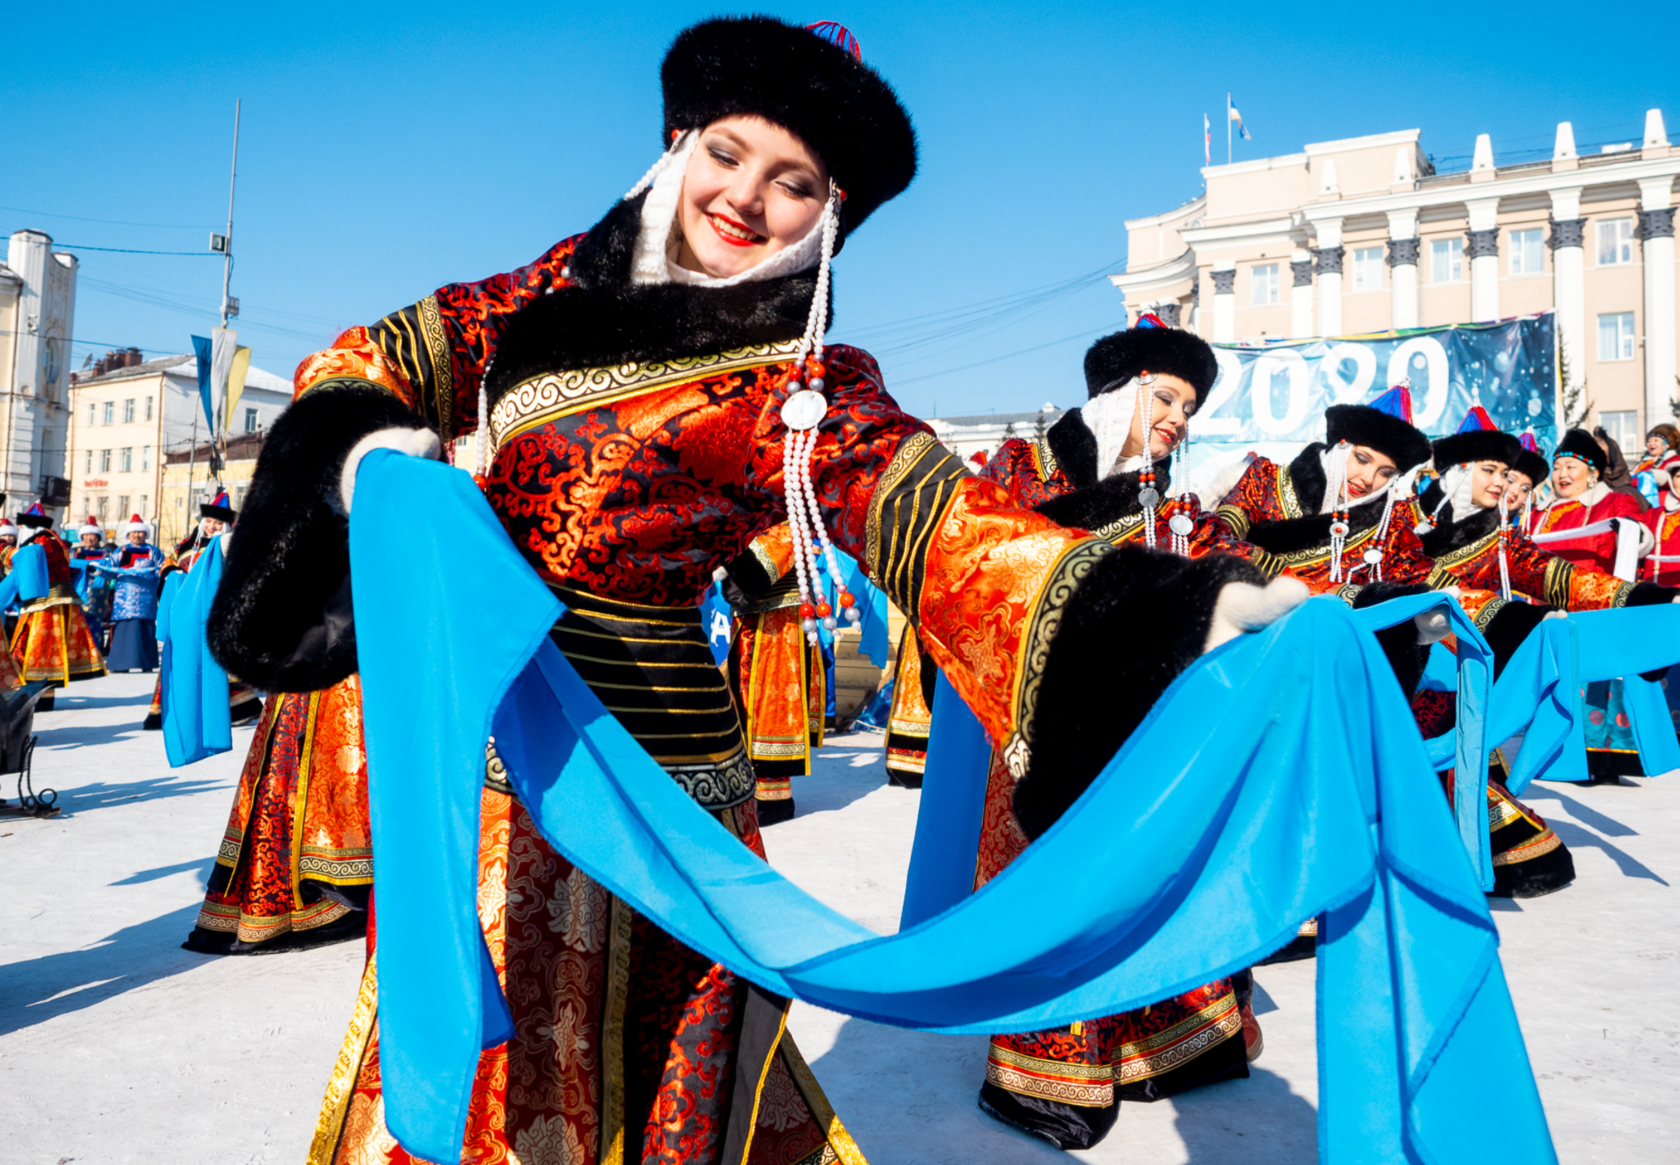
(35, 518)
(218, 507)
(1151, 346)
(1477, 439)
(1384, 425)
(137, 525)
(7, 528)
(91, 526)
(1530, 462)
(811, 81)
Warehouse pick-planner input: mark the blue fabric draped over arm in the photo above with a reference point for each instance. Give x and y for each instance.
(1181, 862)
(952, 809)
(197, 721)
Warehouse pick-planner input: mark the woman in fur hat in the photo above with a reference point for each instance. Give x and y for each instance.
(1065, 1085)
(1467, 529)
(52, 640)
(649, 394)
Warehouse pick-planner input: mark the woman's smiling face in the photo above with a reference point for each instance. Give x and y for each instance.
(1172, 404)
(751, 189)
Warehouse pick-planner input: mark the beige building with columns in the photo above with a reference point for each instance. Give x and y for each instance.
(1362, 235)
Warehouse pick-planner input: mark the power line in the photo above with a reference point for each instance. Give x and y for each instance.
(184, 226)
(127, 250)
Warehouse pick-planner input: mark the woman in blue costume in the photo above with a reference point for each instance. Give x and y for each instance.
(134, 603)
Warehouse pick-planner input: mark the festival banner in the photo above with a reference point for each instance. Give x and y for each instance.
(1276, 394)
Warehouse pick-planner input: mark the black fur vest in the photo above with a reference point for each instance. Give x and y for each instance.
(1092, 504)
(1306, 474)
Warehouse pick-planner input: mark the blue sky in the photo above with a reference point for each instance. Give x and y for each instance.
(386, 149)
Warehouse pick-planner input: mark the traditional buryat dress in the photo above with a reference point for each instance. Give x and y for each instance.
(1612, 752)
(1068, 1082)
(134, 604)
(52, 640)
(777, 677)
(636, 447)
(295, 864)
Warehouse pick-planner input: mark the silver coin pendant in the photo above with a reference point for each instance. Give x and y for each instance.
(1181, 525)
(1373, 556)
(804, 410)
(1147, 496)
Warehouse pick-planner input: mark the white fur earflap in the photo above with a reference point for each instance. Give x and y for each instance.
(414, 442)
(1245, 607)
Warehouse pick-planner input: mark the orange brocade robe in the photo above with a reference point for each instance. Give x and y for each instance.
(624, 497)
(295, 862)
(53, 641)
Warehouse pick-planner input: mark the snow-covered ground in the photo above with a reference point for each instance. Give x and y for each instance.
(117, 1046)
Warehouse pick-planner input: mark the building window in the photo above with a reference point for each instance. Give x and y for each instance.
(108, 413)
(91, 408)
(122, 506)
(142, 505)
(1622, 427)
(1615, 242)
(1263, 284)
(125, 459)
(148, 408)
(104, 461)
(1367, 269)
(250, 420)
(89, 468)
(145, 457)
(103, 510)
(1446, 261)
(1525, 253)
(1615, 336)
(128, 411)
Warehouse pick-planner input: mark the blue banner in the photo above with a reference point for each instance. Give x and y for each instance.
(1278, 392)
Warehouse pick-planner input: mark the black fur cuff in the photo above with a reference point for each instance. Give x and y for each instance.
(282, 620)
(1650, 594)
(1509, 627)
(1137, 620)
(748, 581)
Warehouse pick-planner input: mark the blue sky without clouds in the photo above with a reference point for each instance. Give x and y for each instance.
(387, 149)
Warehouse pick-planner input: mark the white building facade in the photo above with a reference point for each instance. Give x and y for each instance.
(1361, 235)
(37, 312)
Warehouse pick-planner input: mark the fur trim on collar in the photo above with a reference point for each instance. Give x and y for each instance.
(1109, 500)
(1451, 533)
(1306, 473)
(603, 319)
(1074, 447)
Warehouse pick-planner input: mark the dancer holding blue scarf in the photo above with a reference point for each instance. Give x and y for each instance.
(53, 641)
(651, 396)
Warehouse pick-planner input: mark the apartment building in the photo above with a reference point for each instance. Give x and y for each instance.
(129, 413)
(37, 309)
(1363, 235)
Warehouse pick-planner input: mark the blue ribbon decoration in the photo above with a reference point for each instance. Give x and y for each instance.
(952, 810)
(1183, 861)
(27, 580)
(197, 721)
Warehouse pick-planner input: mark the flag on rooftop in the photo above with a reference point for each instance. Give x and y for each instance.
(1231, 112)
(1207, 141)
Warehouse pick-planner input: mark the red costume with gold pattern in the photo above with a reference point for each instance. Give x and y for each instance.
(295, 863)
(1072, 1077)
(53, 641)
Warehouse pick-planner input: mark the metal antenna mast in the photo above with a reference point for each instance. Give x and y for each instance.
(227, 253)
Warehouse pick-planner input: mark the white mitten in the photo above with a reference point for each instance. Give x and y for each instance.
(414, 442)
(1432, 627)
(1561, 614)
(1245, 607)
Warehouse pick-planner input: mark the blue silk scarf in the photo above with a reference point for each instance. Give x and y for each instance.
(197, 721)
(27, 580)
(1198, 850)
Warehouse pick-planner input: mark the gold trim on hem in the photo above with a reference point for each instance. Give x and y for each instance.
(341, 1085)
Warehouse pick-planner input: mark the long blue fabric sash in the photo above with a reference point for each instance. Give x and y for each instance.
(197, 721)
(1198, 849)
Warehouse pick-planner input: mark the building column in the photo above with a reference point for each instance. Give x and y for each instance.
(1569, 287)
(1402, 268)
(1328, 253)
(1224, 302)
(1196, 304)
(1656, 235)
(1301, 295)
(1481, 247)
(1169, 310)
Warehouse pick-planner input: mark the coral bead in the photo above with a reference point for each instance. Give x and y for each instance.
(815, 368)
(847, 599)
(824, 609)
(807, 611)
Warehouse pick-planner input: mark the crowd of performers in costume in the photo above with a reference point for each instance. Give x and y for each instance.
(653, 402)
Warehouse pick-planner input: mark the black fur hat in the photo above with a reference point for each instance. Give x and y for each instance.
(808, 84)
(1113, 360)
(1532, 466)
(1478, 439)
(1579, 444)
(1384, 425)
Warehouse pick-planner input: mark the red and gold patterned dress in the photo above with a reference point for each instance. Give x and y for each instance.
(910, 717)
(633, 453)
(1067, 1082)
(53, 641)
(295, 863)
(777, 678)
